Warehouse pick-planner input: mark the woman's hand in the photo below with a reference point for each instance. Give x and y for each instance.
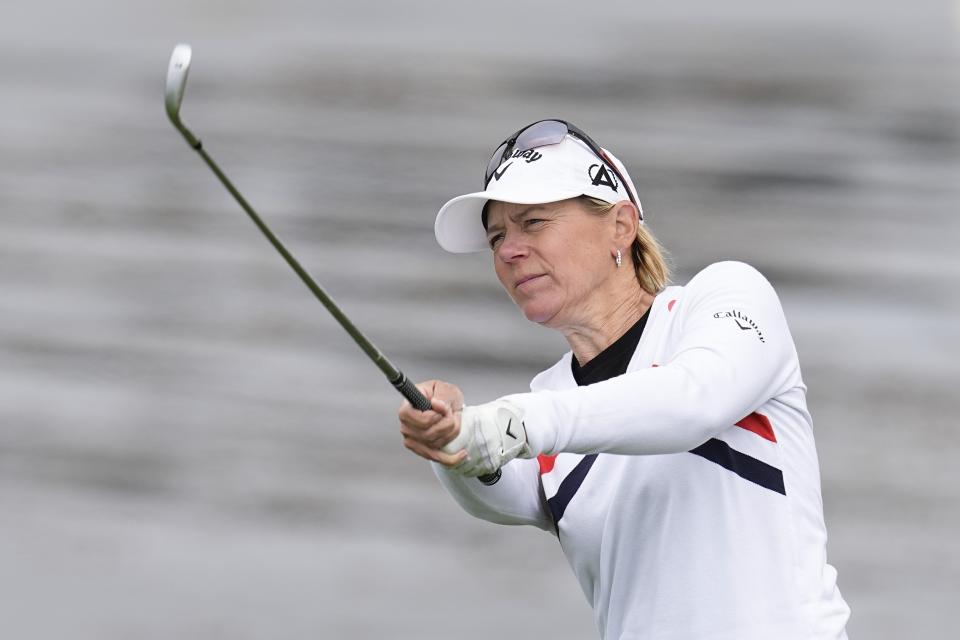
(426, 432)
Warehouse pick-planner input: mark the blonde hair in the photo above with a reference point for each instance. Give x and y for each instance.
(647, 255)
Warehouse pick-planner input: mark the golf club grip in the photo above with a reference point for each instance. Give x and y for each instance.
(409, 391)
(419, 401)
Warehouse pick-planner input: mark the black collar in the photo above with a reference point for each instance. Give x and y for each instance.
(612, 361)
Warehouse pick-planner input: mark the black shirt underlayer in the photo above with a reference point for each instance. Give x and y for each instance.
(612, 361)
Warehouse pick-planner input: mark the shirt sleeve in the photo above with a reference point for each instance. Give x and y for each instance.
(733, 354)
(515, 499)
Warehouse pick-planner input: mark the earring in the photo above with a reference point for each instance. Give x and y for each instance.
(619, 259)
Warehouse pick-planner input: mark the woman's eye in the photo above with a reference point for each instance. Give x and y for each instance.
(534, 221)
(494, 240)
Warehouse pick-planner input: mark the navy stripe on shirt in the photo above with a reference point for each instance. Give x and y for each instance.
(568, 488)
(747, 467)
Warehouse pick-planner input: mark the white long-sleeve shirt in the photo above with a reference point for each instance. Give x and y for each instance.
(685, 492)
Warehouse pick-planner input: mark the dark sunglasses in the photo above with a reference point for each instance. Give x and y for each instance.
(547, 132)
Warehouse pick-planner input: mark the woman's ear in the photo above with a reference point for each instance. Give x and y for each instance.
(627, 219)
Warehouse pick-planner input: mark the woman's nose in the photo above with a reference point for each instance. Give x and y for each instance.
(512, 248)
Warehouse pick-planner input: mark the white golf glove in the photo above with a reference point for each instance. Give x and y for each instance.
(493, 434)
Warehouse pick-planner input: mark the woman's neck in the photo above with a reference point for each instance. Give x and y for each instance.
(603, 325)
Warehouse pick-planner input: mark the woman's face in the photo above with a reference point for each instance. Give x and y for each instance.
(551, 258)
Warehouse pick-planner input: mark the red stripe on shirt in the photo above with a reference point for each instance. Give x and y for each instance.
(760, 425)
(546, 463)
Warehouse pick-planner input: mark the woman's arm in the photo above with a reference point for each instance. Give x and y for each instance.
(735, 352)
(515, 499)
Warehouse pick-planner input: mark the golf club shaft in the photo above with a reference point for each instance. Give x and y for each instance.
(176, 83)
(394, 375)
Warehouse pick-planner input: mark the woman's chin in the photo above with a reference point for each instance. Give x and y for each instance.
(539, 313)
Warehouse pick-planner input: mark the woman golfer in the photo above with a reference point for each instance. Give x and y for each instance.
(670, 449)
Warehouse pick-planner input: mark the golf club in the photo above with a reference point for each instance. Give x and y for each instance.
(176, 84)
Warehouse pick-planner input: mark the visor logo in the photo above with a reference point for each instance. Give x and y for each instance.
(527, 154)
(599, 176)
(502, 170)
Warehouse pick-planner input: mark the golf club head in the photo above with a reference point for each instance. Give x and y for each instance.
(177, 80)
(176, 85)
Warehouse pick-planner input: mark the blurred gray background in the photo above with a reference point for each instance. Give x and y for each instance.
(191, 448)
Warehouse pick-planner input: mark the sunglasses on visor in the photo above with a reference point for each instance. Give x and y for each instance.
(547, 132)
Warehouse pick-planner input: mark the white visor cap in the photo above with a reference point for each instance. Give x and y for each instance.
(532, 176)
